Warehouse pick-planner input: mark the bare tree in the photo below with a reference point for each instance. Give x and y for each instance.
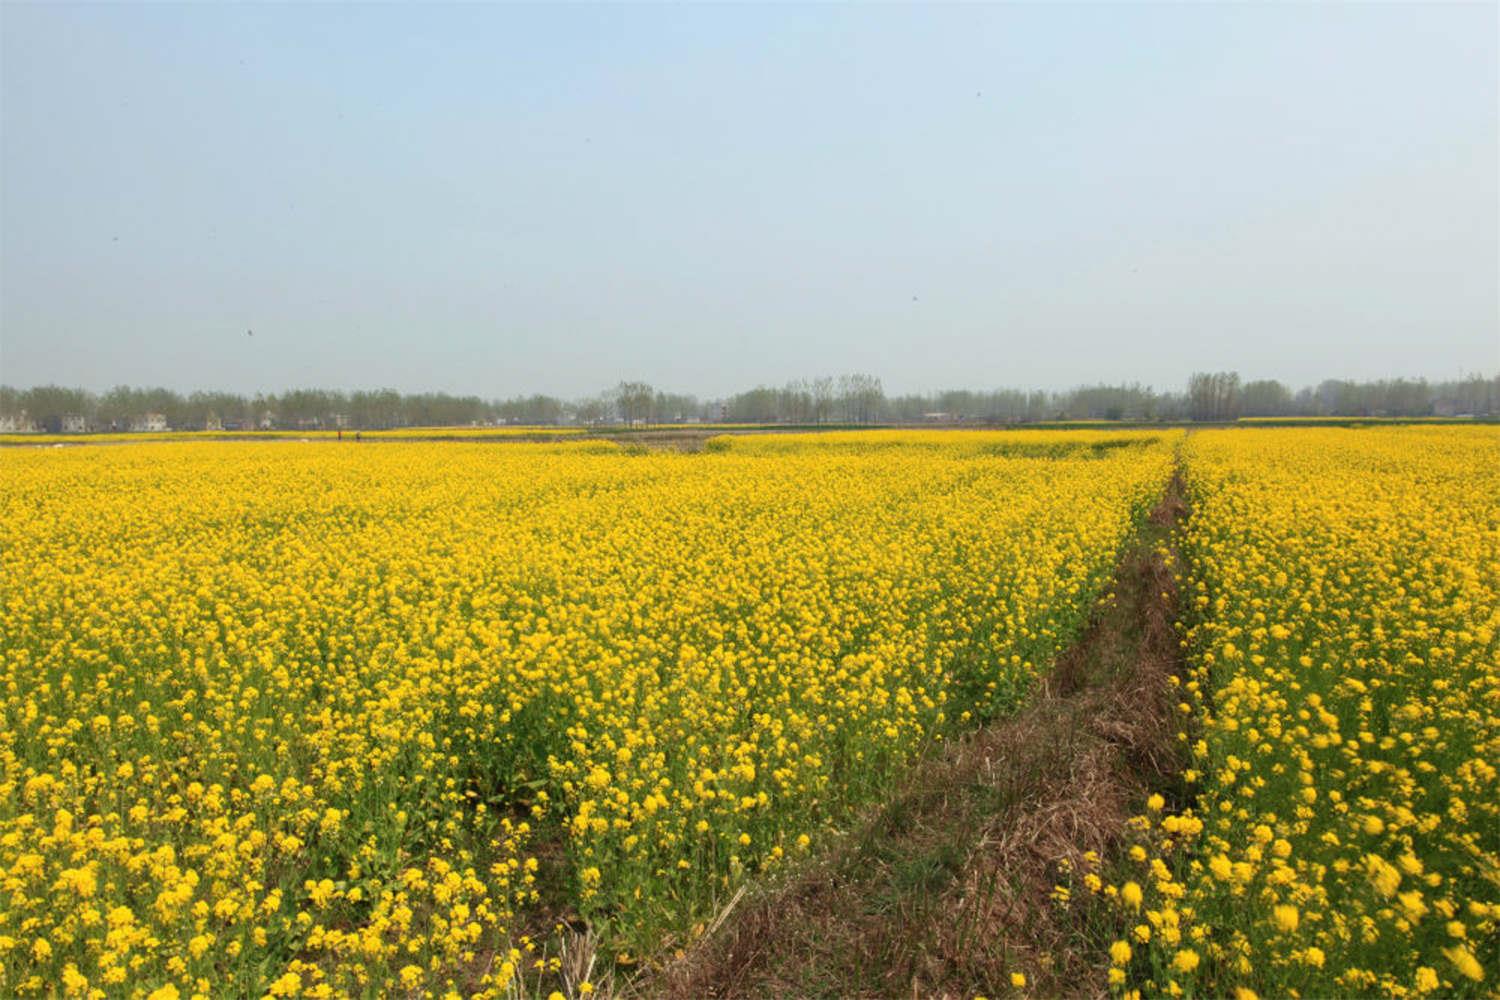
(860, 397)
(822, 398)
(1214, 396)
(635, 401)
(593, 410)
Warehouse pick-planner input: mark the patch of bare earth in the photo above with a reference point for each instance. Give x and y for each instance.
(947, 890)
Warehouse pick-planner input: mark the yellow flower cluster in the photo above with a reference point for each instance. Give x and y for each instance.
(298, 720)
(1342, 715)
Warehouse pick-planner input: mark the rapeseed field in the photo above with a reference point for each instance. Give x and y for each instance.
(1341, 835)
(318, 719)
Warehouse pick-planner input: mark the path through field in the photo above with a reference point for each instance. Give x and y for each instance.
(948, 890)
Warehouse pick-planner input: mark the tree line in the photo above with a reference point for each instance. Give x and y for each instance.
(842, 399)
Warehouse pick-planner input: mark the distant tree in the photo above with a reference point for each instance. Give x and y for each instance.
(860, 398)
(1214, 396)
(852, 398)
(593, 411)
(754, 406)
(1402, 397)
(48, 404)
(908, 408)
(115, 407)
(1342, 398)
(439, 409)
(634, 401)
(1109, 402)
(823, 394)
(225, 407)
(308, 408)
(536, 409)
(1265, 398)
(1474, 395)
(674, 407)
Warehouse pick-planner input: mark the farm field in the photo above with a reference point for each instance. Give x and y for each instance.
(1342, 618)
(398, 434)
(701, 501)
(326, 720)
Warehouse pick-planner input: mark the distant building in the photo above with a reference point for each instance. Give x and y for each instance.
(148, 423)
(212, 423)
(938, 418)
(73, 423)
(267, 421)
(17, 423)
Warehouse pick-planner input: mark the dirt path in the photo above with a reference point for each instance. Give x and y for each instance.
(947, 890)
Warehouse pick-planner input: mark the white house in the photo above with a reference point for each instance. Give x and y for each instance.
(74, 423)
(17, 423)
(148, 422)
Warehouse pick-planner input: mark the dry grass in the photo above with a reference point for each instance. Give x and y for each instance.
(946, 890)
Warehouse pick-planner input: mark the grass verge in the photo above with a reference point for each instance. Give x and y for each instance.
(949, 890)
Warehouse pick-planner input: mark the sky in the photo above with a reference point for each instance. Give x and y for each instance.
(515, 199)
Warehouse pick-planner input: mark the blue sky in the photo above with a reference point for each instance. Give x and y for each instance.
(505, 199)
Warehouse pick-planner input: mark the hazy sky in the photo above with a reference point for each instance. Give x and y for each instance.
(507, 199)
